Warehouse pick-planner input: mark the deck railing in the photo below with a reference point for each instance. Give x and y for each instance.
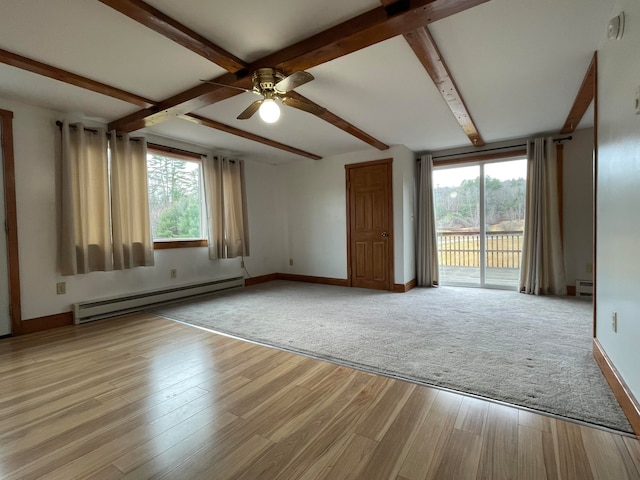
(462, 249)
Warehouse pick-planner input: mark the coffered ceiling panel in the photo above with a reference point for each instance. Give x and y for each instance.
(251, 29)
(91, 39)
(518, 65)
(32, 89)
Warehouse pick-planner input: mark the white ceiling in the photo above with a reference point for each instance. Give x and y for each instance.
(517, 63)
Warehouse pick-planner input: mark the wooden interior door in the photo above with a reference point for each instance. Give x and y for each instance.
(5, 319)
(370, 224)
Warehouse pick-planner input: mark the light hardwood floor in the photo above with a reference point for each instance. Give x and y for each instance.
(143, 397)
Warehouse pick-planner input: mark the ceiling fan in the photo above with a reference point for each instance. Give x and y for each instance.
(272, 85)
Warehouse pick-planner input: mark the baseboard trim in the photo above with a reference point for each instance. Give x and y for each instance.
(340, 282)
(46, 323)
(403, 288)
(626, 399)
(62, 319)
(261, 279)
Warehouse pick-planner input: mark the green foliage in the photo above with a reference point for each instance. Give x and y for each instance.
(458, 207)
(174, 198)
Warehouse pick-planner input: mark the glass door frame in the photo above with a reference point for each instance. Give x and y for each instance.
(483, 215)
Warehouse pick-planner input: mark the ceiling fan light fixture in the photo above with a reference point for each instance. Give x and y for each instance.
(269, 111)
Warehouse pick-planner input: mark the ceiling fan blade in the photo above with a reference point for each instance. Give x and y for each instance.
(293, 81)
(302, 105)
(228, 86)
(250, 110)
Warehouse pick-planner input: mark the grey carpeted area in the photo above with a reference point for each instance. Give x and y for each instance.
(530, 351)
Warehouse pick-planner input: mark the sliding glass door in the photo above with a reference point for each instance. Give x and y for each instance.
(504, 200)
(457, 203)
(479, 222)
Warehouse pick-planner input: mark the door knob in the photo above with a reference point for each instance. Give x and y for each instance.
(384, 234)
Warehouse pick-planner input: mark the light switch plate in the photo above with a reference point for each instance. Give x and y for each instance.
(615, 28)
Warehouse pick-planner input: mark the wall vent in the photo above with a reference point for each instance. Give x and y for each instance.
(107, 307)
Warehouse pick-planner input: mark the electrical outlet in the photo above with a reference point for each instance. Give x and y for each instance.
(173, 273)
(291, 262)
(61, 288)
(614, 321)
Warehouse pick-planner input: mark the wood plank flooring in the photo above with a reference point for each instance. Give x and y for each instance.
(141, 397)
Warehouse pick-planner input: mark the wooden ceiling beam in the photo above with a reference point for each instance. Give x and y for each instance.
(204, 94)
(249, 136)
(333, 119)
(79, 81)
(156, 20)
(426, 49)
(382, 23)
(197, 97)
(377, 25)
(43, 69)
(163, 112)
(585, 96)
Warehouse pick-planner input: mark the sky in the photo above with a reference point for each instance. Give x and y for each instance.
(453, 176)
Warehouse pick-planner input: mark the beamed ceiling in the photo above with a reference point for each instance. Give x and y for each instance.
(427, 74)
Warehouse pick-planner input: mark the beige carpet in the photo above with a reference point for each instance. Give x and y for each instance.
(529, 351)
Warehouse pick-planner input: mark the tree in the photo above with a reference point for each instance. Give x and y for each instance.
(174, 197)
(458, 207)
(495, 200)
(469, 209)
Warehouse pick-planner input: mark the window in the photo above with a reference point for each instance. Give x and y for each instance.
(176, 205)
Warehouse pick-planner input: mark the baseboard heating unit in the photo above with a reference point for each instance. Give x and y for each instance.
(107, 307)
(584, 288)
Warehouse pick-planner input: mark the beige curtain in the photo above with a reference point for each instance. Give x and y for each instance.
(542, 271)
(427, 248)
(131, 227)
(85, 244)
(225, 197)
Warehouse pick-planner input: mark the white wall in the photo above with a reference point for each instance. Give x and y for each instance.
(315, 202)
(578, 206)
(267, 222)
(295, 211)
(36, 144)
(408, 161)
(618, 183)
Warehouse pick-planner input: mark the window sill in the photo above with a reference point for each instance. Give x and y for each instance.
(166, 244)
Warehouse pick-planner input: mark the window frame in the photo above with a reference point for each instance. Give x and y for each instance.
(178, 154)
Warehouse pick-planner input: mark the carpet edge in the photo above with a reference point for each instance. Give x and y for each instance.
(391, 374)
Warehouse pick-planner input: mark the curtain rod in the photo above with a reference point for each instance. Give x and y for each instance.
(156, 146)
(164, 148)
(93, 130)
(437, 157)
